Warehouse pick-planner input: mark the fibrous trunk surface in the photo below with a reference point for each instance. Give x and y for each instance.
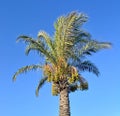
(64, 103)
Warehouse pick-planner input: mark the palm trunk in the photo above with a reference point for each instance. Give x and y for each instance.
(64, 103)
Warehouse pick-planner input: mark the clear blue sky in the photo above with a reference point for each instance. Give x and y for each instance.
(28, 17)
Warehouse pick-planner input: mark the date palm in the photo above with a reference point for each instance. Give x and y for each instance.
(65, 57)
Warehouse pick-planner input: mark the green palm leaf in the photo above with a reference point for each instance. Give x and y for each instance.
(48, 40)
(88, 66)
(33, 44)
(92, 46)
(83, 83)
(26, 69)
(41, 83)
(73, 87)
(67, 31)
(38, 46)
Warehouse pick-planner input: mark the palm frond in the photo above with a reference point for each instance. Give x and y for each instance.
(29, 48)
(73, 87)
(103, 45)
(58, 37)
(50, 45)
(74, 21)
(88, 66)
(92, 46)
(83, 86)
(38, 46)
(83, 83)
(82, 37)
(26, 69)
(32, 44)
(41, 83)
(26, 39)
(32, 47)
(67, 30)
(48, 40)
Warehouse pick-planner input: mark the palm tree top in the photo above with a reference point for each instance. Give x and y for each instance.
(65, 53)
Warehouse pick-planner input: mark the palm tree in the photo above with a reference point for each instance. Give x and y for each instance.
(65, 57)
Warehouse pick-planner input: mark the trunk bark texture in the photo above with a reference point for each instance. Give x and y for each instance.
(64, 103)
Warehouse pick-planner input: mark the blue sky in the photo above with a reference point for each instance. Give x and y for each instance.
(29, 17)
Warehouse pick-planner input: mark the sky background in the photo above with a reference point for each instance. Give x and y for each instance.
(29, 17)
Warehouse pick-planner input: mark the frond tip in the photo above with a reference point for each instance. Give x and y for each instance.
(41, 83)
(105, 44)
